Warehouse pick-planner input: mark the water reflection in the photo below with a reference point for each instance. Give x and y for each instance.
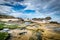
(27, 23)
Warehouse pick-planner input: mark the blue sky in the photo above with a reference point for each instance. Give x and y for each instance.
(31, 8)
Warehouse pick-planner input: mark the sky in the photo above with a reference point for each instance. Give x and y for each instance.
(31, 8)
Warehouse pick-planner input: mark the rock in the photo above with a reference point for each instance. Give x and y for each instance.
(22, 33)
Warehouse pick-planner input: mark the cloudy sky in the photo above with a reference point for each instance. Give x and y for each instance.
(31, 8)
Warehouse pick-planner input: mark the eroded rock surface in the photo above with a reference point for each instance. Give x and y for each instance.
(41, 32)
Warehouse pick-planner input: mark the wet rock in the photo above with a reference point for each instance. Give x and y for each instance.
(36, 36)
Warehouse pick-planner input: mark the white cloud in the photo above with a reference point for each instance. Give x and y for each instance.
(5, 9)
(29, 6)
(50, 2)
(2, 1)
(16, 14)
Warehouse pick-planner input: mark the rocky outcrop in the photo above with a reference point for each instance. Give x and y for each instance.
(51, 33)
